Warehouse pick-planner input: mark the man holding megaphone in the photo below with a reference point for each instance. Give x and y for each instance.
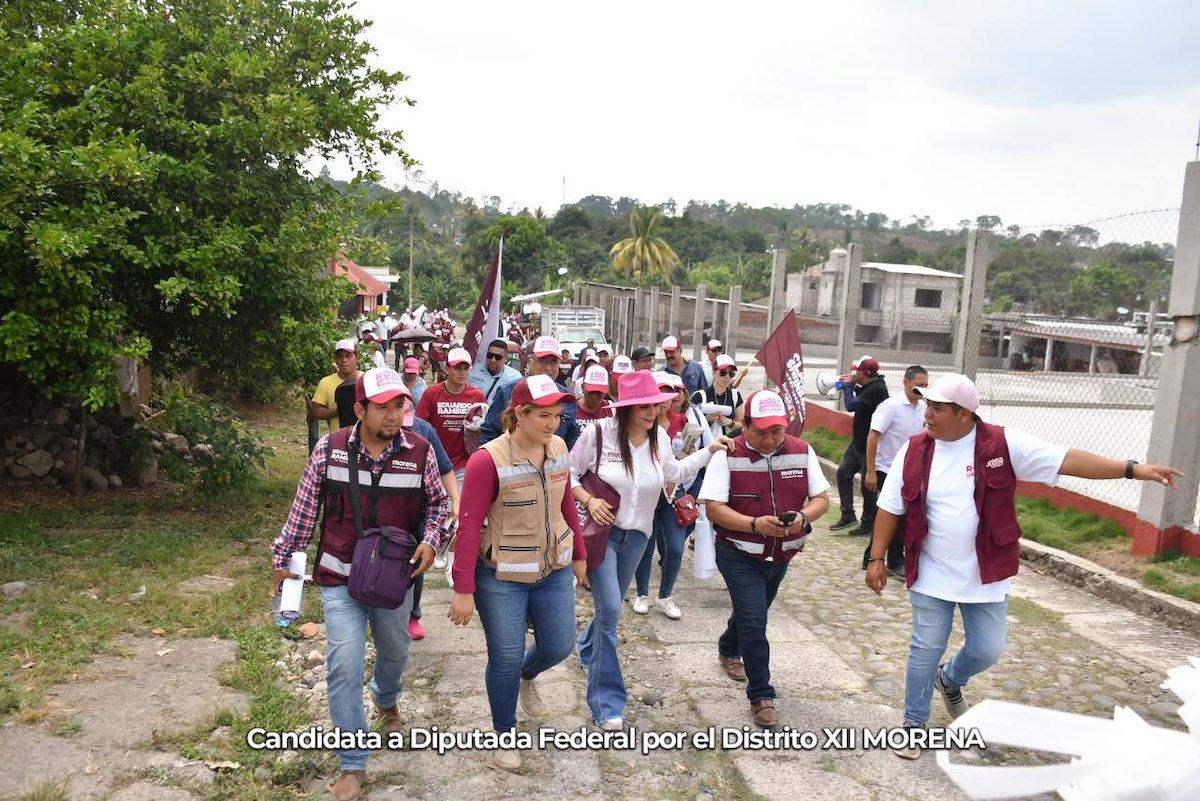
(863, 393)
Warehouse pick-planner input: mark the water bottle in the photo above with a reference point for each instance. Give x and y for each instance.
(280, 620)
(677, 445)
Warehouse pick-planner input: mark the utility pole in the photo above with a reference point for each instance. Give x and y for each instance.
(410, 261)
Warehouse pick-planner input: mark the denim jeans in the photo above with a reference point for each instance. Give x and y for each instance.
(669, 540)
(504, 607)
(598, 642)
(346, 655)
(855, 461)
(752, 585)
(985, 626)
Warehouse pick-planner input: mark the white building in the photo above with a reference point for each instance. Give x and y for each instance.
(902, 306)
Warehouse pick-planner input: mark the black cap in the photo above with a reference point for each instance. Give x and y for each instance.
(640, 352)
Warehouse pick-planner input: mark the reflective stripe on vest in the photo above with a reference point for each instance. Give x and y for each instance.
(783, 461)
(331, 562)
(392, 480)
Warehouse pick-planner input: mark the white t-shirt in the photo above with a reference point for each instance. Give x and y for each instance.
(949, 566)
(640, 491)
(896, 420)
(716, 482)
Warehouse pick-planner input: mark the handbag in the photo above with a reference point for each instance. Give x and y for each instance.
(595, 535)
(380, 574)
(687, 510)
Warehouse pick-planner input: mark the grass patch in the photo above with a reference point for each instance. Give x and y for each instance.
(1065, 528)
(826, 443)
(59, 790)
(1030, 614)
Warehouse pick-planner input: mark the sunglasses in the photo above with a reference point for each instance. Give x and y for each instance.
(725, 372)
(496, 356)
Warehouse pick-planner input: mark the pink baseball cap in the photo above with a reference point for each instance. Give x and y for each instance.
(952, 388)
(724, 361)
(540, 390)
(458, 356)
(412, 365)
(765, 408)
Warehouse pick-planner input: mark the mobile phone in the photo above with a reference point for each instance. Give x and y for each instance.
(787, 517)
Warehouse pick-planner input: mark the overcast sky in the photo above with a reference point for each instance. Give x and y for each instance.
(1039, 111)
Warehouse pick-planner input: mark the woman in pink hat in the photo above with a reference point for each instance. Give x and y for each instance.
(636, 461)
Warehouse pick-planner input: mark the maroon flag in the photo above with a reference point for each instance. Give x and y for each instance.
(485, 322)
(781, 357)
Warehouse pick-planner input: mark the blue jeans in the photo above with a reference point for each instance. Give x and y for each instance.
(598, 642)
(670, 539)
(985, 626)
(503, 608)
(752, 586)
(346, 655)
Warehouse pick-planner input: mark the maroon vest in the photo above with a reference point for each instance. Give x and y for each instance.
(767, 485)
(997, 541)
(394, 497)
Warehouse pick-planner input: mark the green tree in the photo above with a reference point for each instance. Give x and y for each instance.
(153, 197)
(644, 253)
(1099, 289)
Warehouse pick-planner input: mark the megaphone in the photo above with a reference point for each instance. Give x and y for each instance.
(827, 381)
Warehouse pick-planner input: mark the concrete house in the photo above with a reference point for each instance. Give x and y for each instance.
(903, 306)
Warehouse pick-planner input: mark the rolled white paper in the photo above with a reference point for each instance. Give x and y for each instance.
(715, 408)
(293, 589)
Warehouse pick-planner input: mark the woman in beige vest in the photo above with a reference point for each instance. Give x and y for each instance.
(519, 517)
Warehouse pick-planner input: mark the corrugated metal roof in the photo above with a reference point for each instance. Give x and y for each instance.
(340, 265)
(908, 269)
(1114, 336)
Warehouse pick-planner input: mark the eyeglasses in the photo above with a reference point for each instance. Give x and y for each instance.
(496, 356)
(725, 372)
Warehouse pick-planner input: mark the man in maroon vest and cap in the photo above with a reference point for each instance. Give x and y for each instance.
(955, 484)
(761, 498)
(400, 486)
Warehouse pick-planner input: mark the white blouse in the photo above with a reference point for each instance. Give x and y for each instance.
(639, 492)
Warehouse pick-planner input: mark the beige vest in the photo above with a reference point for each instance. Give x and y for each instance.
(525, 536)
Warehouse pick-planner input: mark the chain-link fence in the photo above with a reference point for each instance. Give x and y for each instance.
(1065, 340)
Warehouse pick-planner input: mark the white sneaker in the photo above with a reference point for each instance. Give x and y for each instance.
(448, 563)
(439, 562)
(531, 702)
(668, 608)
(612, 724)
(641, 604)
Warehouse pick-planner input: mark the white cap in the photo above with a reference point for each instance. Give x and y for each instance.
(952, 388)
(713, 344)
(725, 360)
(458, 356)
(546, 346)
(595, 378)
(346, 344)
(765, 408)
(622, 364)
(670, 343)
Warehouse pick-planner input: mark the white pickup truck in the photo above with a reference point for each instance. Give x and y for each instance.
(573, 326)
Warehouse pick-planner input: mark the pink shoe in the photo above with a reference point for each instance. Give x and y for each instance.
(415, 629)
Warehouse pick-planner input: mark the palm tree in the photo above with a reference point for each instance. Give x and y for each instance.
(644, 253)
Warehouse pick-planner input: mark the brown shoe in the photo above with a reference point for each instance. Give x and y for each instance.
(390, 720)
(349, 785)
(733, 666)
(764, 713)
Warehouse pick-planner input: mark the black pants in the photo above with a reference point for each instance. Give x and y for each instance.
(855, 461)
(895, 552)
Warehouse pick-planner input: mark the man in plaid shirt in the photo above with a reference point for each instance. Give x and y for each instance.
(394, 458)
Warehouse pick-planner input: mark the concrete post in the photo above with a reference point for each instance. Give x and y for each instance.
(1144, 366)
(969, 321)
(673, 316)
(734, 323)
(778, 302)
(851, 300)
(1166, 519)
(639, 318)
(698, 320)
(652, 320)
(1049, 355)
